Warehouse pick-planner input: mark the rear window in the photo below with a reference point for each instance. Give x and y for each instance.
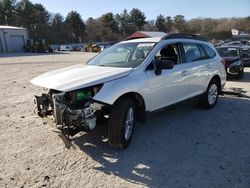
(228, 51)
(210, 52)
(245, 52)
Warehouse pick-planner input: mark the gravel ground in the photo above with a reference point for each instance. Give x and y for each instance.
(182, 146)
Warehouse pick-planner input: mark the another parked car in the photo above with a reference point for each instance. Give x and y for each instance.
(130, 79)
(103, 47)
(245, 55)
(233, 63)
(233, 43)
(65, 48)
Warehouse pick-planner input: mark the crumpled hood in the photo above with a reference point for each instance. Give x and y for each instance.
(79, 76)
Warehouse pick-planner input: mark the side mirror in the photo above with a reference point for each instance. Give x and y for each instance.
(163, 64)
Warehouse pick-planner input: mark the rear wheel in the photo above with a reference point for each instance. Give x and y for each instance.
(210, 98)
(121, 123)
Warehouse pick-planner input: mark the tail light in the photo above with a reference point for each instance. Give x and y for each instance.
(223, 62)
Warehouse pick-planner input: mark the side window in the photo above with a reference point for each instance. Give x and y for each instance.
(203, 54)
(193, 52)
(169, 52)
(210, 52)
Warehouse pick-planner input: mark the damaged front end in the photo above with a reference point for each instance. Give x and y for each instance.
(73, 110)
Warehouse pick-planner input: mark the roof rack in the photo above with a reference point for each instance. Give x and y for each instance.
(185, 36)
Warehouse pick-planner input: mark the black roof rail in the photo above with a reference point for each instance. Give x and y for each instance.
(185, 36)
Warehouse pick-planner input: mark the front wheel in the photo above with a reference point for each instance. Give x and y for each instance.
(210, 98)
(121, 123)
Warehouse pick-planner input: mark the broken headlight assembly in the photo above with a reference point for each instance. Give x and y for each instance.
(73, 109)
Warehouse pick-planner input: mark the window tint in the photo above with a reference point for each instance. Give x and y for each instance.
(210, 52)
(203, 54)
(192, 52)
(169, 52)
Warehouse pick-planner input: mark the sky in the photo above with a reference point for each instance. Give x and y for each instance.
(152, 8)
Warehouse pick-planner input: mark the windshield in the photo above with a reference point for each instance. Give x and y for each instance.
(123, 55)
(228, 52)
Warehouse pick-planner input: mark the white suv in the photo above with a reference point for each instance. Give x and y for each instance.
(122, 83)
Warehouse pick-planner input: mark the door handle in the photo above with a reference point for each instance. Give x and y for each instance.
(208, 66)
(184, 73)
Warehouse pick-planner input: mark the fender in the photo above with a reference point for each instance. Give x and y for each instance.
(112, 90)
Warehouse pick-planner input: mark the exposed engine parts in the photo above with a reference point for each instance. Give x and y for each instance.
(70, 110)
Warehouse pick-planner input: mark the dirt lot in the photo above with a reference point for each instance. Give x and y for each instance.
(183, 146)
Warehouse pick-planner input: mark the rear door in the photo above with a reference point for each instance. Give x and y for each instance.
(199, 68)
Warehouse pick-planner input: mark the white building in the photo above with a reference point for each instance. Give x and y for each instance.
(12, 39)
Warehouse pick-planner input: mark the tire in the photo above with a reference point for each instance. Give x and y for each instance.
(121, 123)
(209, 99)
(240, 75)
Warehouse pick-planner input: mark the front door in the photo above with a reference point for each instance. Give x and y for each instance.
(171, 85)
